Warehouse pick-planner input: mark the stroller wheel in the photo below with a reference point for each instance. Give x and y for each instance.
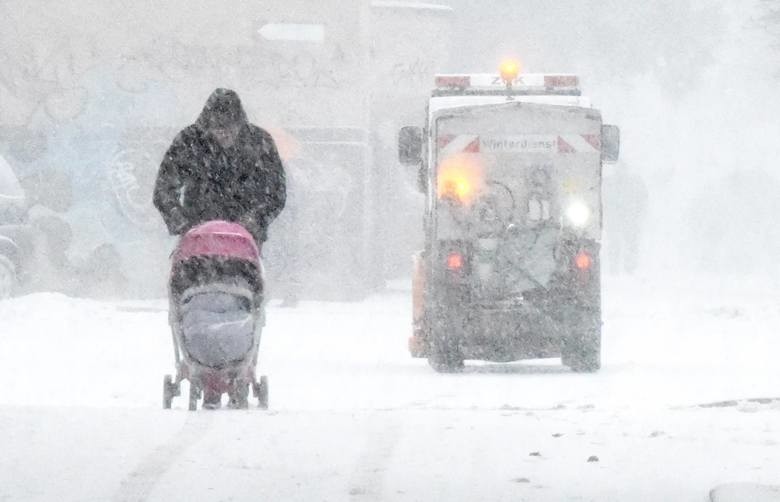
(260, 390)
(194, 396)
(168, 392)
(212, 399)
(239, 395)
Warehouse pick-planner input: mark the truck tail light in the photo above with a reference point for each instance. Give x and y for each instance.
(455, 261)
(583, 261)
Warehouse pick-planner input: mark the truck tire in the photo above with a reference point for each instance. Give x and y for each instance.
(446, 322)
(445, 355)
(582, 348)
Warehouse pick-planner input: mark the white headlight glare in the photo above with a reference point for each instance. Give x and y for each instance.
(578, 213)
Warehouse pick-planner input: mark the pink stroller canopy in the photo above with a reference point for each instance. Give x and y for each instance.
(218, 239)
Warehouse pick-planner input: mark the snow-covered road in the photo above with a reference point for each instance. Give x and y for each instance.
(353, 417)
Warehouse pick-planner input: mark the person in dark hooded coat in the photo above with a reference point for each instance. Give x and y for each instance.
(221, 168)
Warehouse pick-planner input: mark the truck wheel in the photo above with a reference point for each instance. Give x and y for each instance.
(445, 354)
(584, 356)
(444, 334)
(7, 277)
(582, 350)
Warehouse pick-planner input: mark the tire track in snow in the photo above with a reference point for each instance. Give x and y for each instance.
(368, 478)
(138, 485)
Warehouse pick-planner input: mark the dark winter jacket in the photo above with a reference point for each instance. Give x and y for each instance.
(199, 180)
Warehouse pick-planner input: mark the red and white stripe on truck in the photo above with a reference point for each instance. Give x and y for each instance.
(451, 144)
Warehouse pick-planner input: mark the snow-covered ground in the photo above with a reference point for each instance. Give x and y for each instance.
(353, 417)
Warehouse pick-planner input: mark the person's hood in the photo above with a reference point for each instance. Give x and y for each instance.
(223, 108)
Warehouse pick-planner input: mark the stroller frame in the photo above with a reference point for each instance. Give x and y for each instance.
(235, 378)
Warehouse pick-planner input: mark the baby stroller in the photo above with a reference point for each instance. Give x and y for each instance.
(216, 316)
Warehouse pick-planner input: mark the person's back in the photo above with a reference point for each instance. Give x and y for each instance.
(221, 168)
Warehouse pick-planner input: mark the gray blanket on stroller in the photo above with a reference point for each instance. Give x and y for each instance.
(218, 328)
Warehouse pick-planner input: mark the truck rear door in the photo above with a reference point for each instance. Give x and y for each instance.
(513, 179)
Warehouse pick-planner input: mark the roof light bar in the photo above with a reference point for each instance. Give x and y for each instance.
(453, 81)
(524, 82)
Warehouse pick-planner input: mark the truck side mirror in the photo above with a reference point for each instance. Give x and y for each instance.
(410, 141)
(610, 143)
